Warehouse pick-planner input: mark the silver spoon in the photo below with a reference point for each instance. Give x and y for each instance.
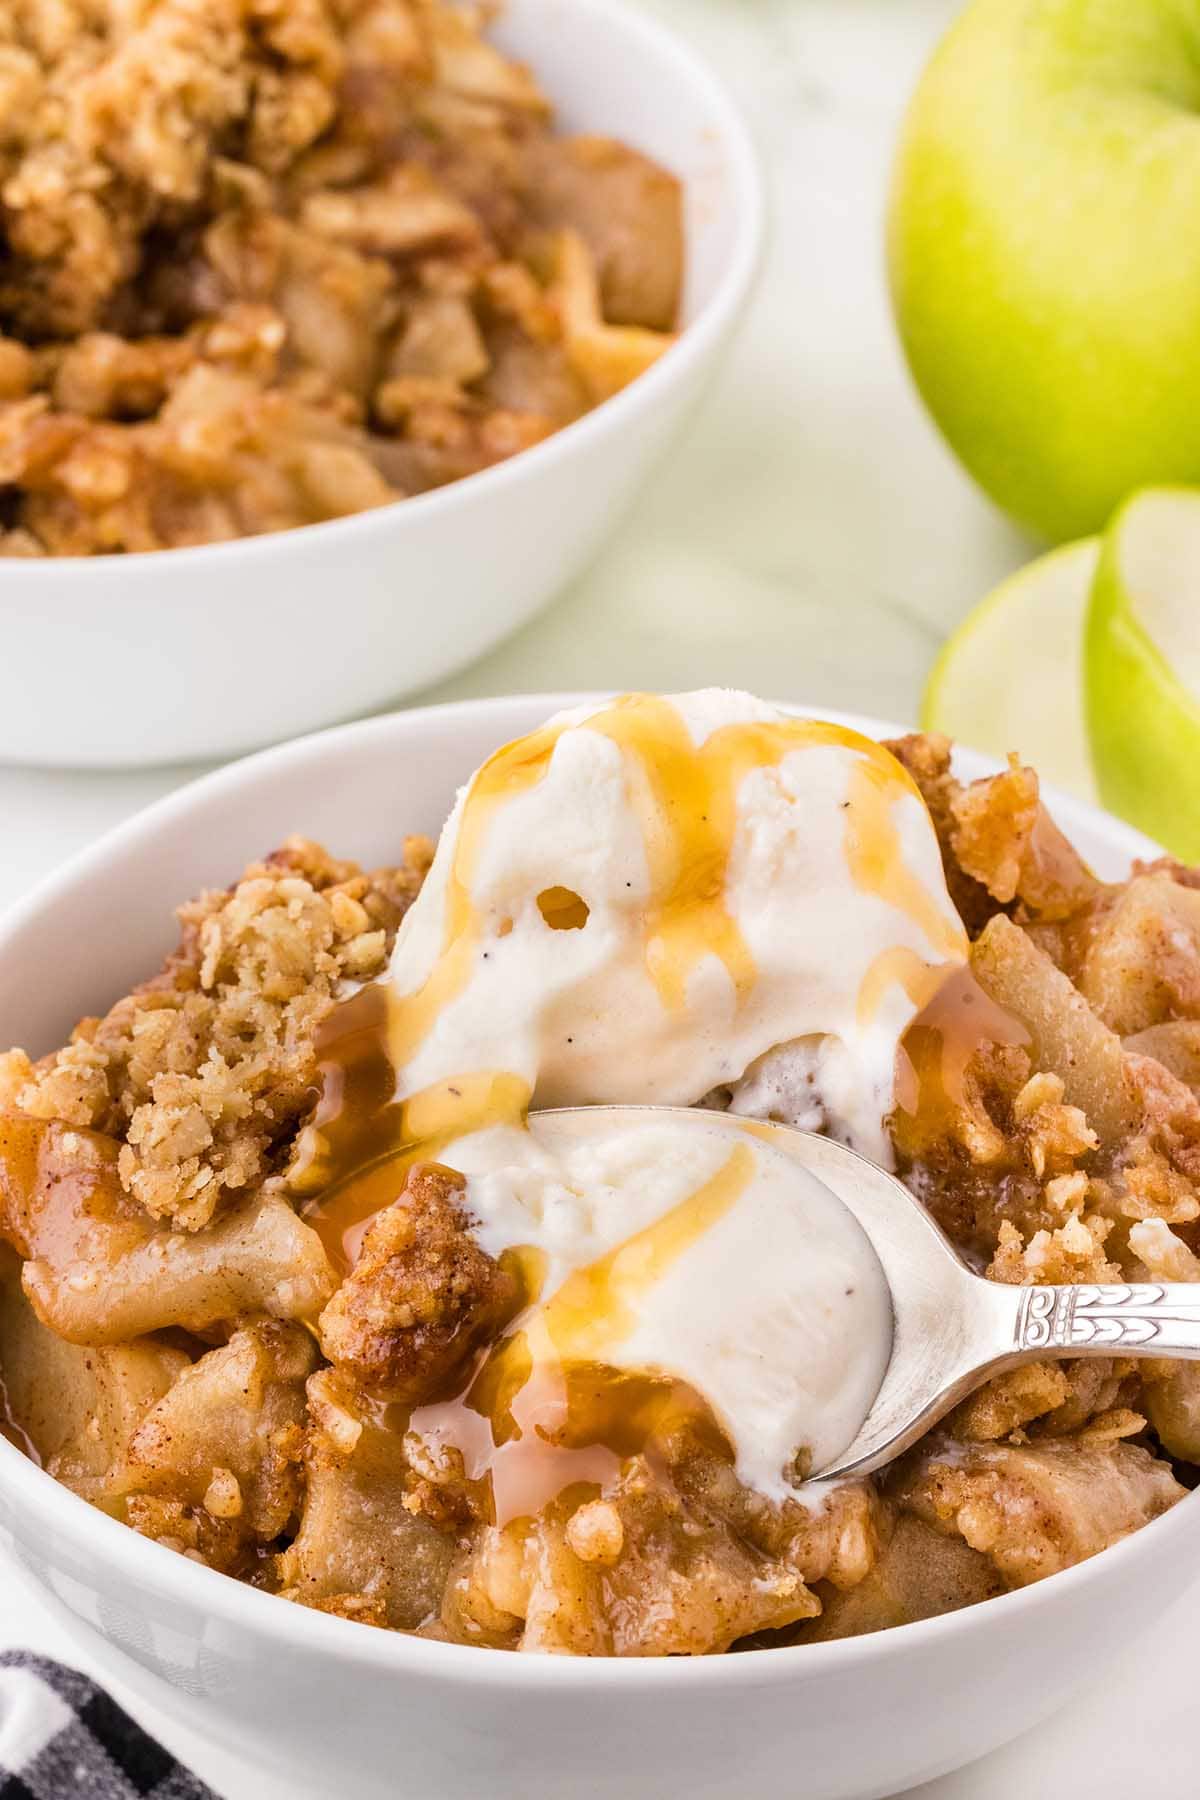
(951, 1329)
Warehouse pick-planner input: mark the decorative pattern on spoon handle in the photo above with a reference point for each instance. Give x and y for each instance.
(1144, 1318)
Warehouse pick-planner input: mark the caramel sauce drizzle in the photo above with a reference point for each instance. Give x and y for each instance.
(876, 854)
(562, 909)
(362, 1141)
(685, 797)
(546, 1409)
(58, 1183)
(956, 1022)
(508, 772)
(899, 967)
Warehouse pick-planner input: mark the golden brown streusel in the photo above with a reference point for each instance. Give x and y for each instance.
(204, 1072)
(421, 1297)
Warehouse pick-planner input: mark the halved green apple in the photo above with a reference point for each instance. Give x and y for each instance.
(1011, 676)
(1142, 664)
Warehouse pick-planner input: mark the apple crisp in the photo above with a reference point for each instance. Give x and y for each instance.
(180, 1344)
(269, 262)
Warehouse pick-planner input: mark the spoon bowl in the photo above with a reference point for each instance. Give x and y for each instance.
(945, 1319)
(951, 1329)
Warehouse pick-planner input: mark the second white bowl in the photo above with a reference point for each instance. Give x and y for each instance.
(194, 653)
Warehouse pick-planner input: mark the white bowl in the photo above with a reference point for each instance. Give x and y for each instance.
(203, 652)
(343, 1709)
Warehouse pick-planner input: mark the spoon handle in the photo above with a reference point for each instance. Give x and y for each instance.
(953, 1349)
(1149, 1318)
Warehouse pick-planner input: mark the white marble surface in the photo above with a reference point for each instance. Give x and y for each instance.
(810, 538)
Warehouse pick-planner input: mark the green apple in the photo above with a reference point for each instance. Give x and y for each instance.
(1142, 667)
(1044, 251)
(1011, 676)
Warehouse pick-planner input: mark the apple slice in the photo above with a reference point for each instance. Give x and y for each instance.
(1011, 677)
(1143, 667)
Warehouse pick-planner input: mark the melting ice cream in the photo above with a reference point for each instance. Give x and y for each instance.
(669, 901)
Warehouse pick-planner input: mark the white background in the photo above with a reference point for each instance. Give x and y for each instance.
(810, 538)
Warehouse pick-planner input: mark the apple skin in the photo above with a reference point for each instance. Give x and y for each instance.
(1143, 723)
(1044, 251)
(987, 689)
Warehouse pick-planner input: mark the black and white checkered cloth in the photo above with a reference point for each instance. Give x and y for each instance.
(64, 1738)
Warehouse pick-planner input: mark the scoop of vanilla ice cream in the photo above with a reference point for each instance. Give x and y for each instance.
(662, 901)
(771, 1303)
(658, 900)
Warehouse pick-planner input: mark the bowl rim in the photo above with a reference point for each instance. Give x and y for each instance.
(32, 1493)
(747, 208)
